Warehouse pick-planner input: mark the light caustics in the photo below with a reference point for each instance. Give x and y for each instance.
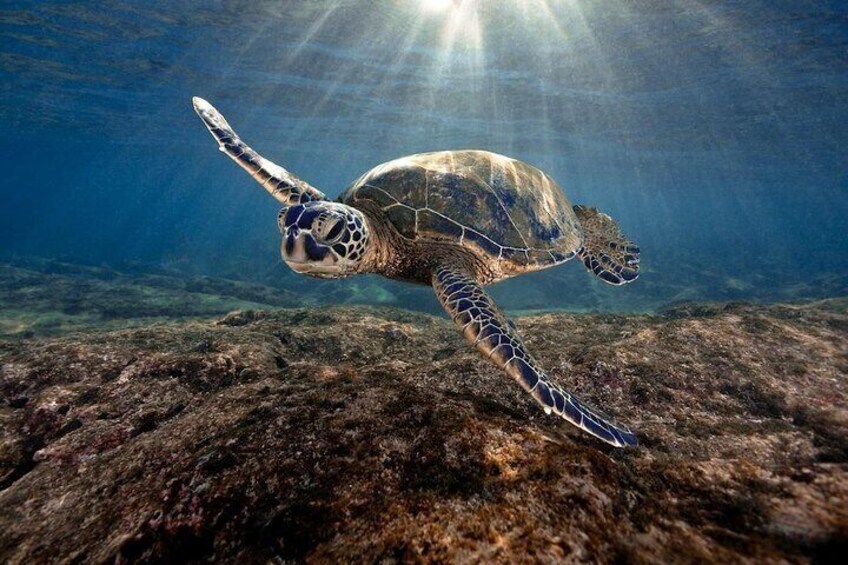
(471, 43)
(437, 5)
(419, 62)
(462, 21)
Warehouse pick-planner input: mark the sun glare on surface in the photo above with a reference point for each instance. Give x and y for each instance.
(436, 5)
(453, 56)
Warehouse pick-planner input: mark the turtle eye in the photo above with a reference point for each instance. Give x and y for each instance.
(331, 231)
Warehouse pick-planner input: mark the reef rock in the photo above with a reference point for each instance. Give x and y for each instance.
(369, 434)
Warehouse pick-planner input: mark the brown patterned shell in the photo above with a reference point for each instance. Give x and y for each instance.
(495, 206)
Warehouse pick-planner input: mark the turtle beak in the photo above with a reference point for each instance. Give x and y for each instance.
(319, 270)
(306, 256)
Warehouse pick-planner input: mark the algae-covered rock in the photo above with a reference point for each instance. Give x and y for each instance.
(44, 297)
(375, 434)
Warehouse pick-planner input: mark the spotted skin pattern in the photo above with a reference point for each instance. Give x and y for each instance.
(323, 239)
(487, 328)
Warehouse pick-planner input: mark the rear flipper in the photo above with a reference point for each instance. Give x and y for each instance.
(606, 252)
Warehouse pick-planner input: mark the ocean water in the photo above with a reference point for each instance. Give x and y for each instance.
(167, 381)
(713, 132)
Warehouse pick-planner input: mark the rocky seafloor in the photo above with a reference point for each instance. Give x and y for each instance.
(359, 434)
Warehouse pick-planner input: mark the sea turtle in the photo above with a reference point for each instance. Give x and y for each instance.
(455, 220)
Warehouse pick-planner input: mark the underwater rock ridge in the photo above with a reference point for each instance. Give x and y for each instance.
(374, 434)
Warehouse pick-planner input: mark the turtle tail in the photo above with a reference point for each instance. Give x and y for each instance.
(280, 183)
(606, 252)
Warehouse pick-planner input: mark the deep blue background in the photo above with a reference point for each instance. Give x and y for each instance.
(715, 133)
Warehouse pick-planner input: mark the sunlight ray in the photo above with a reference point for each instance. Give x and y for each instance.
(312, 31)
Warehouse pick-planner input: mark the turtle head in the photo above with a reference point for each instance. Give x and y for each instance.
(323, 239)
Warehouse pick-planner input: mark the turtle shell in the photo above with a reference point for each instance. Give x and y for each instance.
(499, 208)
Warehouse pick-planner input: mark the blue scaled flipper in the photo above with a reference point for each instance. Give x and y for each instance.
(280, 183)
(487, 328)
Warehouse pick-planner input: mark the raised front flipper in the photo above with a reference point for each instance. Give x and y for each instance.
(487, 328)
(280, 183)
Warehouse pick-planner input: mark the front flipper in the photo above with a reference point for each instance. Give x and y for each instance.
(487, 328)
(280, 183)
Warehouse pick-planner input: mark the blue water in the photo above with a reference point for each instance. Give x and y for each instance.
(714, 132)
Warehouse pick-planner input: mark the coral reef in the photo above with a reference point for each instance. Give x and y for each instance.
(376, 434)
